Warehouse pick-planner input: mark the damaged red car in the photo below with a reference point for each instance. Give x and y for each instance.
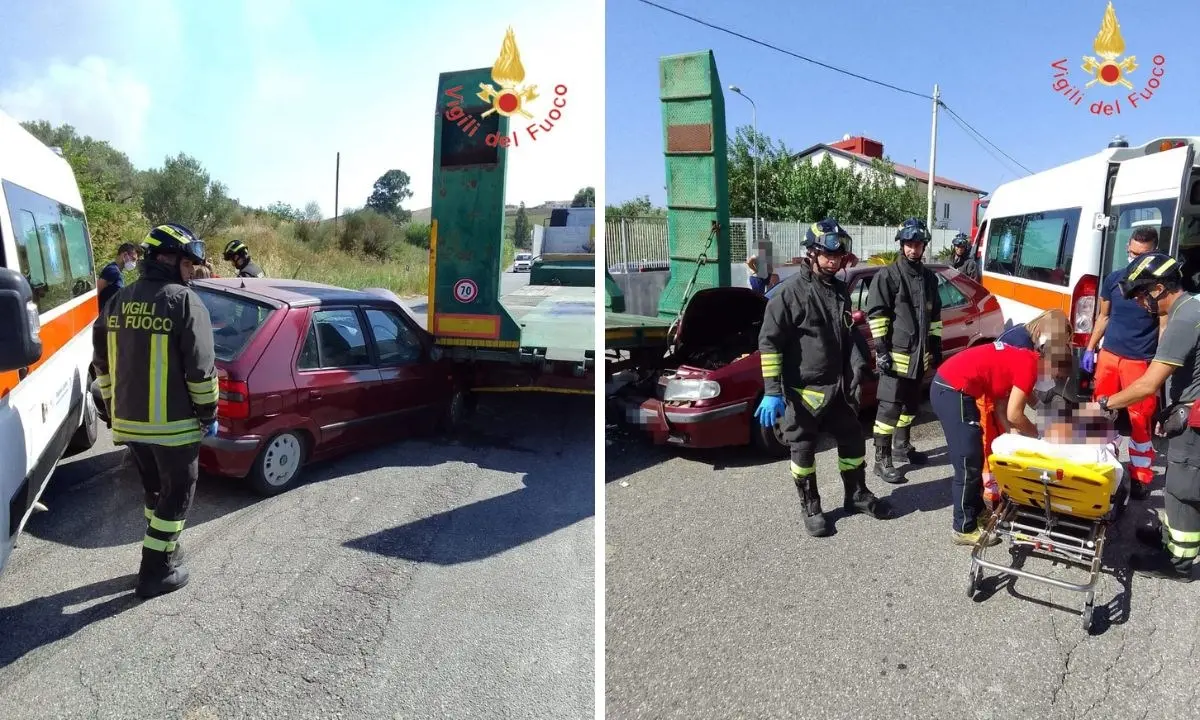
(712, 382)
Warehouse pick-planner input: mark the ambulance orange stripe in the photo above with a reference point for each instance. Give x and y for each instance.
(55, 334)
(1037, 297)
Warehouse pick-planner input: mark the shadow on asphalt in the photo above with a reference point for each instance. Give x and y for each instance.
(96, 501)
(549, 501)
(46, 620)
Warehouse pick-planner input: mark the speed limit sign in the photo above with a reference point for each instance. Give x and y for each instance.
(465, 290)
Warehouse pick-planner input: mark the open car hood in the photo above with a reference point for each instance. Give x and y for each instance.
(715, 315)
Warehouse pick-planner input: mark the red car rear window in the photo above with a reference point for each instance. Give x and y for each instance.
(234, 320)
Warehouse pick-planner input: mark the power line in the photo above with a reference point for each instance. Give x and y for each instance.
(981, 135)
(971, 131)
(962, 126)
(786, 52)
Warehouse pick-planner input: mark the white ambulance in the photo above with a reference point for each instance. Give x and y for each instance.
(47, 307)
(1049, 239)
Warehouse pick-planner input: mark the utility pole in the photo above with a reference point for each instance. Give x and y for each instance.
(754, 124)
(929, 209)
(337, 178)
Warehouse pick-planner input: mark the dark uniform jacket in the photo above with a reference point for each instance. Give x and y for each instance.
(966, 265)
(251, 270)
(808, 344)
(155, 364)
(904, 311)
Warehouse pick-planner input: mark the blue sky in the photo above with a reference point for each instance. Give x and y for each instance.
(266, 92)
(992, 61)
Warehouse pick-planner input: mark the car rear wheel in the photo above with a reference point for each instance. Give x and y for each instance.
(278, 466)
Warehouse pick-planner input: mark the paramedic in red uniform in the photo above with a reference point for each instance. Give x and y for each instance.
(1005, 375)
(1130, 337)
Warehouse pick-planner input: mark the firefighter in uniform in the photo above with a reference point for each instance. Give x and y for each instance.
(963, 260)
(1154, 281)
(157, 376)
(237, 253)
(904, 311)
(813, 361)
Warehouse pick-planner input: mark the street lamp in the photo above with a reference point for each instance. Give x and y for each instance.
(754, 122)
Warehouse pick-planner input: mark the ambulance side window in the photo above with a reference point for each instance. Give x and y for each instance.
(53, 247)
(1157, 214)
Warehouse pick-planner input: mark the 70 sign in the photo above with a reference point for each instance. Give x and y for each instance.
(465, 291)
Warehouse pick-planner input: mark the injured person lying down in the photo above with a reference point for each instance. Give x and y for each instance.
(1080, 433)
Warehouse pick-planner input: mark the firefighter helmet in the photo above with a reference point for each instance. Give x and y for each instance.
(234, 248)
(173, 239)
(827, 236)
(1148, 270)
(913, 230)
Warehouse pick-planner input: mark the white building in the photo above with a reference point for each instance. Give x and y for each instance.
(951, 200)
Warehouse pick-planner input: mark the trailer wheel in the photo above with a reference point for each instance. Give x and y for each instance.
(459, 408)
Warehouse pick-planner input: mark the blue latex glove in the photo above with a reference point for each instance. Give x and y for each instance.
(210, 430)
(769, 410)
(1088, 361)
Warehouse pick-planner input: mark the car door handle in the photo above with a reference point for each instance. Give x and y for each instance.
(314, 394)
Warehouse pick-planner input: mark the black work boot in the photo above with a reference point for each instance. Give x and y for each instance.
(1138, 490)
(1159, 564)
(810, 500)
(860, 499)
(884, 470)
(903, 451)
(159, 574)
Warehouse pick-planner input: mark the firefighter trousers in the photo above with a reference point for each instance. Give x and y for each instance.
(801, 431)
(959, 416)
(899, 401)
(169, 477)
(1113, 374)
(1181, 499)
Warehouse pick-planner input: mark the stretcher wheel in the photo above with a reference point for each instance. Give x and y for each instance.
(1086, 616)
(973, 578)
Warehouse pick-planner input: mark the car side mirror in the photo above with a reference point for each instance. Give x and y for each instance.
(435, 353)
(20, 326)
(858, 317)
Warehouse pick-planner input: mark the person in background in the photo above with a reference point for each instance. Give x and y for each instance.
(238, 254)
(1008, 376)
(201, 272)
(1155, 281)
(962, 259)
(1130, 339)
(110, 280)
(904, 311)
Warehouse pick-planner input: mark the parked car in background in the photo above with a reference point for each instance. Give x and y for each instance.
(523, 262)
(707, 397)
(309, 371)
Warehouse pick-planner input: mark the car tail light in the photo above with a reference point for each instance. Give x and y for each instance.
(234, 400)
(1083, 309)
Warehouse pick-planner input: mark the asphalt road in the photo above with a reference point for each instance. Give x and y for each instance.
(447, 578)
(720, 606)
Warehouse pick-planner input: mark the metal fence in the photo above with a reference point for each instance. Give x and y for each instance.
(630, 242)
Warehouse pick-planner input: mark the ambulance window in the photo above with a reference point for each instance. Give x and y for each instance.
(42, 248)
(1157, 214)
(1048, 245)
(79, 249)
(1003, 239)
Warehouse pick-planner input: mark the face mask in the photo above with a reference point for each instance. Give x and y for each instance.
(129, 265)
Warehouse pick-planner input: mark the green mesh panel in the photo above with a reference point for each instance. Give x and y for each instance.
(693, 111)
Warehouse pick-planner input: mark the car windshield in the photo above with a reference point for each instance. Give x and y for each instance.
(234, 320)
(524, 256)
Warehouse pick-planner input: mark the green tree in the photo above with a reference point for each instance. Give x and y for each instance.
(522, 229)
(638, 207)
(417, 233)
(312, 213)
(391, 189)
(791, 190)
(108, 168)
(370, 233)
(285, 212)
(182, 192)
(585, 197)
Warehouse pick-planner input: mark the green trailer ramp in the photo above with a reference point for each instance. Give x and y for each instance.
(466, 311)
(694, 142)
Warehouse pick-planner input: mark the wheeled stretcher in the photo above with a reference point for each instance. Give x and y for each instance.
(1053, 508)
